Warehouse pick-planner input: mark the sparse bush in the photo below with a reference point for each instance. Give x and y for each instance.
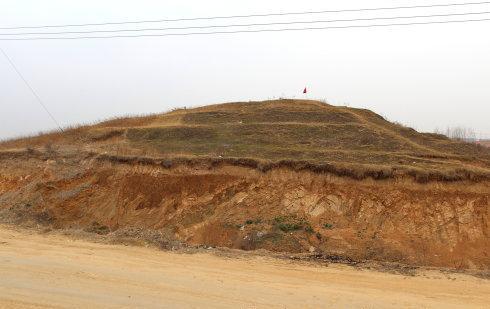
(252, 221)
(44, 217)
(288, 227)
(288, 224)
(279, 219)
(98, 228)
(328, 226)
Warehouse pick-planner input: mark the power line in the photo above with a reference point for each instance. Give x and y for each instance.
(246, 16)
(243, 25)
(244, 31)
(31, 89)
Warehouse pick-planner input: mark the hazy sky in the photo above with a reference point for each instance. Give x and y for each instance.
(424, 76)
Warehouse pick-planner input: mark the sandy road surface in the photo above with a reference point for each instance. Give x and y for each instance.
(38, 271)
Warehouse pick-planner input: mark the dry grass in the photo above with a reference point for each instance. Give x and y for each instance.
(355, 171)
(485, 143)
(282, 133)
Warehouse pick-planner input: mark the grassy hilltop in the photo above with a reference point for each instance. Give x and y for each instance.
(292, 130)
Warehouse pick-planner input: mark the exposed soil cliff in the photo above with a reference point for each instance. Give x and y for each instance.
(436, 223)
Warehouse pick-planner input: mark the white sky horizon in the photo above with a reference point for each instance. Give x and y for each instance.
(426, 76)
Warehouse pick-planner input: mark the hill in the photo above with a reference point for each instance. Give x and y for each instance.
(331, 183)
(344, 140)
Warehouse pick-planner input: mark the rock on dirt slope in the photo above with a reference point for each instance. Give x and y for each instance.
(289, 176)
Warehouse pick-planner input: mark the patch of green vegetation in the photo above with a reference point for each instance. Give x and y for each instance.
(315, 142)
(251, 221)
(279, 219)
(98, 228)
(309, 229)
(289, 224)
(288, 227)
(254, 113)
(328, 226)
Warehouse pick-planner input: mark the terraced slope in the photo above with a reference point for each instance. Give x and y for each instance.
(285, 130)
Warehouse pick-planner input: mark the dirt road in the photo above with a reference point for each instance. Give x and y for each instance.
(40, 271)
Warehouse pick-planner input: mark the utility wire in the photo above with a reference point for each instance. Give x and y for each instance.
(31, 89)
(243, 25)
(244, 31)
(246, 16)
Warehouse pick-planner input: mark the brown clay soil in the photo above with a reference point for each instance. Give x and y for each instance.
(56, 271)
(441, 224)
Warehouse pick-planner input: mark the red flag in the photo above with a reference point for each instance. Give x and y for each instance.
(304, 91)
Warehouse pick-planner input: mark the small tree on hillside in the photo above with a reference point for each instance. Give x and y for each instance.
(461, 133)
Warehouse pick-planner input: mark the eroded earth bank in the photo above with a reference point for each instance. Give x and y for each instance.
(443, 224)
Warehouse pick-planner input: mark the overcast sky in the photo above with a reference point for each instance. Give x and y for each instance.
(426, 76)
